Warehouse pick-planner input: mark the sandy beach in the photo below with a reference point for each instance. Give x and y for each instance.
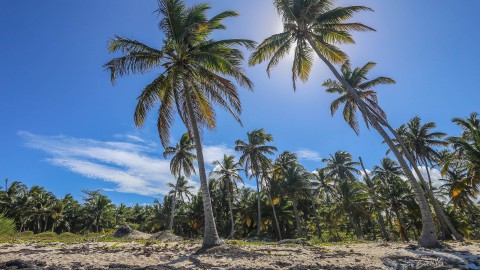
(182, 255)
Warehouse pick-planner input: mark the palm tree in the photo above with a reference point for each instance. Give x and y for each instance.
(357, 79)
(317, 26)
(182, 162)
(340, 166)
(296, 186)
(183, 189)
(462, 195)
(196, 74)
(342, 169)
(387, 178)
(227, 172)
(98, 207)
(376, 203)
(465, 159)
(254, 159)
(323, 189)
(419, 140)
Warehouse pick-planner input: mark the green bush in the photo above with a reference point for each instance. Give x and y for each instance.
(67, 235)
(26, 234)
(7, 226)
(46, 235)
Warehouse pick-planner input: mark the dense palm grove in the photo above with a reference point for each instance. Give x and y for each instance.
(340, 200)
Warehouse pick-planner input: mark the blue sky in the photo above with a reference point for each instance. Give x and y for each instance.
(65, 127)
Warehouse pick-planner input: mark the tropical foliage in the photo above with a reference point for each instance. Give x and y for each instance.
(337, 201)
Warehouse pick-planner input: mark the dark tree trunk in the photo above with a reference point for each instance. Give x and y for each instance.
(210, 237)
(259, 213)
(297, 218)
(370, 185)
(174, 201)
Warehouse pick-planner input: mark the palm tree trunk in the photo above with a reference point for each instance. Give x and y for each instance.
(401, 225)
(210, 237)
(356, 229)
(444, 221)
(174, 201)
(297, 218)
(317, 220)
(259, 213)
(275, 217)
(375, 202)
(230, 206)
(428, 237)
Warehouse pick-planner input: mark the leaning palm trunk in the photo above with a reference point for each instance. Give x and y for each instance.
(259, 213)
(375, 203)
(275, 218)
(428, 237)
(297, 218)
(230, 206)
(210, 236)
(357, 230)
(317, 220)
(172, 214)
(401, 225)
(444, 221)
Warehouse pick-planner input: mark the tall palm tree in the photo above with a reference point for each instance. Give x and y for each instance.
(182, 162)
(255, 159)
(296, 186)
(363, 87)
(387, 178)
(228, 173)
(196, 73)
(98, 206)
(340, 166)
(350, 193)
(419, 140)
(183, 189)
(462, 195)
(376, 203)
(317, 26)
(466, 155)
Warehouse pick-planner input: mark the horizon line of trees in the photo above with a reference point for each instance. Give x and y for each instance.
(339, 201)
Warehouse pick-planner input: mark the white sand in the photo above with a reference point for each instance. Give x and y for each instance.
(181, 256)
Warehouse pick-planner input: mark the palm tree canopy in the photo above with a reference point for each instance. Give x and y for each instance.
(307, 22)
(227, 170)
(254, 151)
(183, 156)
(421, 140)
(183, 188)
(190, 64)
(340, 166)
(359, 81)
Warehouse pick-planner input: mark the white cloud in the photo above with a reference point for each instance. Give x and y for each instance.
(308, 154)
(216, 152)
(435, 175)
(135, 166)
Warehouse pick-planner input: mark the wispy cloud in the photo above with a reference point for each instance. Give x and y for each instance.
(307, 154)
(435, 175)
(133, 164)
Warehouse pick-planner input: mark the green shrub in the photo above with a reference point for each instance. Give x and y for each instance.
(67, 235)
(46, 235)
(7, 226)
(26, 234)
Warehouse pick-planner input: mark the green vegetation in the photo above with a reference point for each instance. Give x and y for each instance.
(339, 201)
(7, 226)
(335, 203)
